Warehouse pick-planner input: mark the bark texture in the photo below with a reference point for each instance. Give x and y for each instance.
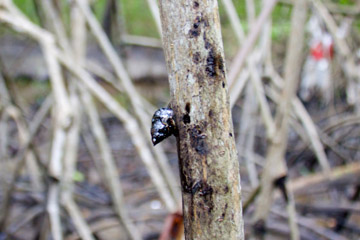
(209, 169)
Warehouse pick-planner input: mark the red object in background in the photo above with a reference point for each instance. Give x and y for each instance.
(319, 51)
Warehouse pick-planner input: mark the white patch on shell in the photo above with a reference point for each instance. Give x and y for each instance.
(157, 126)
(164, 114)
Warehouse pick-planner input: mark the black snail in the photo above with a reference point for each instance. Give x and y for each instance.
(162, 125)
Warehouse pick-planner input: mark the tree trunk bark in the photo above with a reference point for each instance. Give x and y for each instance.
(209, 168)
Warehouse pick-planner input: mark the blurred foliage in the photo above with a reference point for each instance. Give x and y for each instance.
(28, 8)
(32, 90)
(78, 176)
(139, 20)
(280, 28)
(281, 21)
(123, 100)
(344, 2)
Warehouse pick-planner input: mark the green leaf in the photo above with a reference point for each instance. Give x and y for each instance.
(78, 176)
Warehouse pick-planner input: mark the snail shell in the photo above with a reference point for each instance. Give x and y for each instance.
(162, 125)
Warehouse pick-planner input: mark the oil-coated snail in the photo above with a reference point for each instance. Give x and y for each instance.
(162, 125)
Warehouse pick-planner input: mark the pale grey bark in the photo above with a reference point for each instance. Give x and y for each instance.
(209, 167)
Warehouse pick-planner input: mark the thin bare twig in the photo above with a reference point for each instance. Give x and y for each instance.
(63, 110)
(15, 18)
(311, 225)
(135, 100)
(254, 73)
(78, 45)
(109, 168)
(156, 14)
(250, 12)
(129, 122)
(247, 133)
(276, 177)
(249, 43)
(310, 128)
(234, 20)
(142, 41)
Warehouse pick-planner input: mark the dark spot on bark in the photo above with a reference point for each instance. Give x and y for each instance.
(185, 179)
(196, 4)
(191, 209)
(196, 57)
(206, 22)
(214, 64)
(196, 187)
(201, 146)
(185, 187)
(202, 187)
(224, 212)
(211, 113)
(226, 189)
(206, 203)
(223, 84)
(230, 134)
(206, 190)
(211, 64)
(207, 44)
(187, 107)
(194, 32)
(186, 119)
(185, 166)
(221, 64)
(198, 140)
